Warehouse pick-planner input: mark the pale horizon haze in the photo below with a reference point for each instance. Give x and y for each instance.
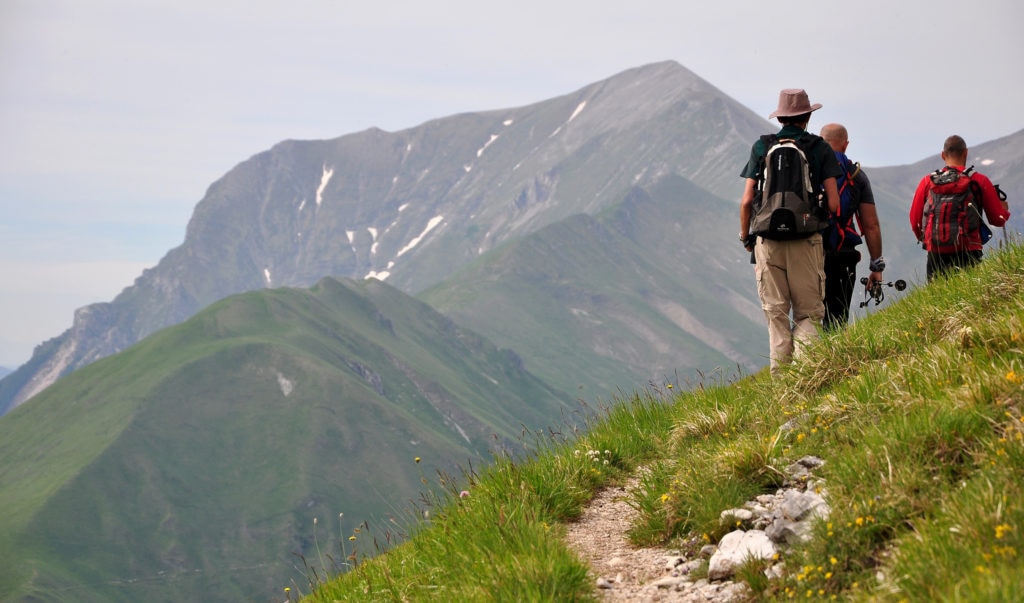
(116, 115)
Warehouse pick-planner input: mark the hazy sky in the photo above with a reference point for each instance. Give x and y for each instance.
(115, 115)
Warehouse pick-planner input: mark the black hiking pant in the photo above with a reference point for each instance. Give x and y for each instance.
(940, 263)
(840, 279)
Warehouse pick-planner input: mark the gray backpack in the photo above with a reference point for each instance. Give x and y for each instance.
(788, 207)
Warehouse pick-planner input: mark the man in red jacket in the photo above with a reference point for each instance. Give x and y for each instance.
(946, 211)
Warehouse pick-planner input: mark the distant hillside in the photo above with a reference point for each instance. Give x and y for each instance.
(5, 371)
(193, 465)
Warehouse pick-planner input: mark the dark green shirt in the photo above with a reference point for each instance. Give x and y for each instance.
(822, 160)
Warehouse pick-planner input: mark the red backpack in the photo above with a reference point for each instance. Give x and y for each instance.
(951, 211)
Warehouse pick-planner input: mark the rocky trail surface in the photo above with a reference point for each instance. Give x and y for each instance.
(624, 572)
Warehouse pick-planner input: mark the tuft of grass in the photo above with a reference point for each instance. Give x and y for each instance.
(917, 410)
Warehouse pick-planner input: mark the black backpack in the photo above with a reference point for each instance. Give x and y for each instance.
(788, 205)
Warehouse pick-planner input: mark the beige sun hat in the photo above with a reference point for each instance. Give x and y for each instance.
(794, 101)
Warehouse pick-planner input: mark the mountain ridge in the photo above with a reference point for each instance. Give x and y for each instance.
(414, 206)
(411, 206)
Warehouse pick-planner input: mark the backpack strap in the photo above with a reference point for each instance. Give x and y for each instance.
(954, 173)
(845, 164)
(847, 183)
(975, 189)
(768, 140)
(976, 194)
(807, 141)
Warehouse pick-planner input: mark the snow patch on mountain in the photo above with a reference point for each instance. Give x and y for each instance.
(416, 241)
(324, 179)
(481, 150)
(373, 239)
(285, 384)
(462, 432)
(380, 276)
(579, 108)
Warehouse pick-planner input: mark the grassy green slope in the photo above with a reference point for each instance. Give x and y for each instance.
(605, 303)
(192, 466)
(917, 410)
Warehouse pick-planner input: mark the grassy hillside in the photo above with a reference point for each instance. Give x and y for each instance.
(193, 465)
(917, 411)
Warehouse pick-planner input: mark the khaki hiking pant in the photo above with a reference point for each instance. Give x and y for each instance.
(790, 277)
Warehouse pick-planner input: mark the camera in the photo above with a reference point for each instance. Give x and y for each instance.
(874, 290)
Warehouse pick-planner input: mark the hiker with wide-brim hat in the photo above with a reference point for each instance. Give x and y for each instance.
(790, 274)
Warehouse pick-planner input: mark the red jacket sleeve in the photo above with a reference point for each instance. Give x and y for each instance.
(917, 207)
(995, 213)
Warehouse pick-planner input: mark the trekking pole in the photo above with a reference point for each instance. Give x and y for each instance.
(1002, 199)
(874, 290)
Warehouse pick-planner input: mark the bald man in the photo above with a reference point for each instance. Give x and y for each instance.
(841, 256)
